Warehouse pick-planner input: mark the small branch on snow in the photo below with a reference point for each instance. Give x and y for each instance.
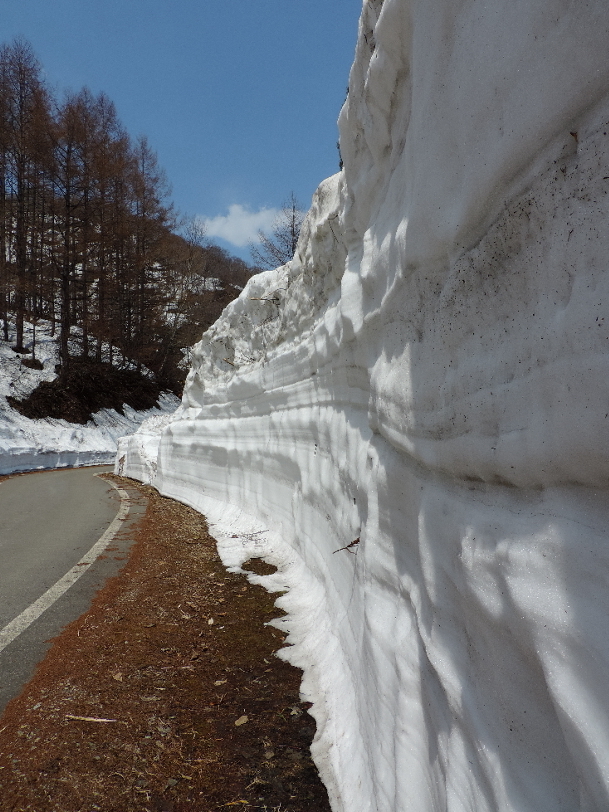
(348, 546)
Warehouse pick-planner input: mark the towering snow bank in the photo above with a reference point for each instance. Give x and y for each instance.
(429, 375)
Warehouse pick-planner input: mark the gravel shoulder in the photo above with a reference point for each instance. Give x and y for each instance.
(166, 695)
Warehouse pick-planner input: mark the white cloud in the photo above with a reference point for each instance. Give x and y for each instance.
(240, 226)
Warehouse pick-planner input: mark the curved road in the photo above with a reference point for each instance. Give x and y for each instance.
(48, 522)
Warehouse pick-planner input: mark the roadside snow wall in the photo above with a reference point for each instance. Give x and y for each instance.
(34, 444)
(430, 375)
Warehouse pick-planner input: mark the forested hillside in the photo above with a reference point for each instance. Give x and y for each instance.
(89, 238)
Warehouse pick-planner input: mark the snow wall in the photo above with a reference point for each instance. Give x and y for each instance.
(46, 443)
(430, 375)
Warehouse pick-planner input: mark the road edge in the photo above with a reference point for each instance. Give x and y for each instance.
(19, 624)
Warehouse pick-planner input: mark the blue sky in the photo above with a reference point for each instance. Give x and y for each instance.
(239, 98)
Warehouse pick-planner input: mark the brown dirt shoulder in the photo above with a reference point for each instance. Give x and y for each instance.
(175, 651)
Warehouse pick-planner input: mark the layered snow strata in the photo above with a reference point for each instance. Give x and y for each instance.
(410, 419)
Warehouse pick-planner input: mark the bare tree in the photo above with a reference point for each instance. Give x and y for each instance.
(24, 117)
(279, 248)
(152, 216)
(87, 232)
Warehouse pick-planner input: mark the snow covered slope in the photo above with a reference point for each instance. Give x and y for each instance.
(427, 385)
(27, 445)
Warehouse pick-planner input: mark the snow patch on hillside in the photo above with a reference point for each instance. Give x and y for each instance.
(410, 419)
(27, 445)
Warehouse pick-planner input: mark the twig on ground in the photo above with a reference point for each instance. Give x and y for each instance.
(88, 718)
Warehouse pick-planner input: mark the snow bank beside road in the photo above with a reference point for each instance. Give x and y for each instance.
(429, 375)
(28, 445)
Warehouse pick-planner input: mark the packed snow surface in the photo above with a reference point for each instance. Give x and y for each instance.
(27, 445)
(410, 419)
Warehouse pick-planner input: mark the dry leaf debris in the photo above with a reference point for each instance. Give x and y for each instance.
(142, 704)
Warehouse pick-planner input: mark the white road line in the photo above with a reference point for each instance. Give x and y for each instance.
(13, 629)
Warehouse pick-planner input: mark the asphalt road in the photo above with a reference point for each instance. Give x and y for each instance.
(48, 522)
